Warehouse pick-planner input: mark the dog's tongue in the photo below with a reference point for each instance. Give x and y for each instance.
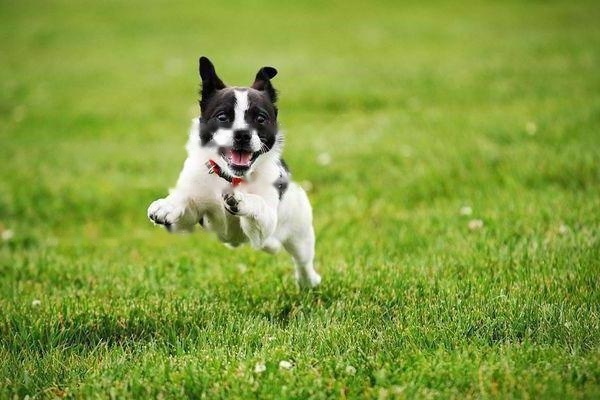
(240, 157)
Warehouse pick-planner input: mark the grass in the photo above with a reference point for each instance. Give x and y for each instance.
(423, 108)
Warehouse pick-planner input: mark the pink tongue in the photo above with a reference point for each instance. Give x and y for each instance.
(240, 157)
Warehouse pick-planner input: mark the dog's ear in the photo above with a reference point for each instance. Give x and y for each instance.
(210, 81)
(263, 82)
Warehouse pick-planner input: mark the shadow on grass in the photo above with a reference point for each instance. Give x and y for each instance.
(289, 307)
(170, 323)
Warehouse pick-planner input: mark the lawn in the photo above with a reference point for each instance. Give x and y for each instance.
(452, 152)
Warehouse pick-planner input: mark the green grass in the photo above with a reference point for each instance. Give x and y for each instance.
(424, 109)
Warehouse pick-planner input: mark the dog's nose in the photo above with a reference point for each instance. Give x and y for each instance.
(241, 136)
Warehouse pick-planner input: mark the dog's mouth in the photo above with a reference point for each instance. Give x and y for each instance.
(239, 160)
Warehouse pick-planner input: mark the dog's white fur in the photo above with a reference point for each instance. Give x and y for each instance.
(259, 217)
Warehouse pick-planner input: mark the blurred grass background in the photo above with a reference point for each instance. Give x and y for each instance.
(423, 109)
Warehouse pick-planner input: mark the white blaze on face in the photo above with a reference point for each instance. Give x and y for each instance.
(241, 106)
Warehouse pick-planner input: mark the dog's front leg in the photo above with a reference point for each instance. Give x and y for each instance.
(258, 219)
(181, 210)
(176, 212)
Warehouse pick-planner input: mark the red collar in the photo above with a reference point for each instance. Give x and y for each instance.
(214, 168)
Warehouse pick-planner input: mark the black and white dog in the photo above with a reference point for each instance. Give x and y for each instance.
(234, 181)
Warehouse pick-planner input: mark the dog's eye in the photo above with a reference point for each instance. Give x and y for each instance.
(222, 117)
(260, 119)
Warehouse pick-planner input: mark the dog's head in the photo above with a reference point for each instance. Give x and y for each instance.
(238, 123)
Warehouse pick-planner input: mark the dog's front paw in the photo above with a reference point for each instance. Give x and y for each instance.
(163, 212)
(234, 203)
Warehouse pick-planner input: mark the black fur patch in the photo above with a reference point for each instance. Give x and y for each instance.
(210, 80)
(262, 82)
(220, 101)
(260, 105)
(283, 182)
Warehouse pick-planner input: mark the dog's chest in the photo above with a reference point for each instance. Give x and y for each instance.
(269, 186)
(226, 226)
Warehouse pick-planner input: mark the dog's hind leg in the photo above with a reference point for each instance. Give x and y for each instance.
(302, 249)
(272, 245)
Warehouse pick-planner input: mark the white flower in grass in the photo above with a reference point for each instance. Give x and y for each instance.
(324, 158)
(284, 364)
(260, 367)
(466, 210)
(350, 370)
(7, 235)
(36, 303)
(563, 229)
(475, 224)
(531, 128)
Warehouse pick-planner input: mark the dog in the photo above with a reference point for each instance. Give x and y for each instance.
(234, 181)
